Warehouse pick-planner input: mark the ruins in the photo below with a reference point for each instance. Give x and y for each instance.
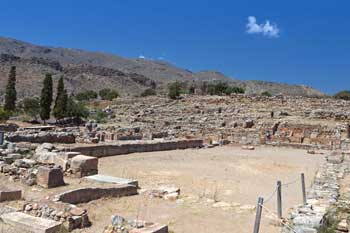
(58, 175)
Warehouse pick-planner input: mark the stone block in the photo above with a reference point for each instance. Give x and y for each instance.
(50, 177)
(10, 195)
(82, 165)
(112, 180)
(83, 195)
(26, 223)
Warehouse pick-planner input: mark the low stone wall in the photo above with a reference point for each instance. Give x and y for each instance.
(84, 195)
(42, 137)
(110, 150)
(8, 127)
(321, 197)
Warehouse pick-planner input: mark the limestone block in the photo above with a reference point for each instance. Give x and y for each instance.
(50, 177)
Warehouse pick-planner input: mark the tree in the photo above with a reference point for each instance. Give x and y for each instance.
(10, 92)
(108, 94)
(31, 106)
(174, 90)
(344, 95)
(60, 108)
(76, 109)
(46, 98)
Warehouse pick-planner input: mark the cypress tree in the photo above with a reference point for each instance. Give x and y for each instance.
(11, 93)
(60, 107)
(46, 98)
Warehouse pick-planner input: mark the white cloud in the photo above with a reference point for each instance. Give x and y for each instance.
(142, 57)
(266, 29)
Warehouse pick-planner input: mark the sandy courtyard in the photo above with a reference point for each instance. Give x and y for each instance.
(227, 174)
(219, 187)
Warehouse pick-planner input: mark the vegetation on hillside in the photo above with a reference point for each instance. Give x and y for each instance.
(174, 90)
(266, 93)
(344, 95)
(222, 88)
(148, 92)
(86, 95)
(108, 94)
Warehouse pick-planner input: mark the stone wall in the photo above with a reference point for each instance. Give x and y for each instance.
(306, 136)
(110, 150)
(41, 137)
(323, 194)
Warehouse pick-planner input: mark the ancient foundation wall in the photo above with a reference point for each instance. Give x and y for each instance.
(110, 150)
(306, 136)
(42, 137)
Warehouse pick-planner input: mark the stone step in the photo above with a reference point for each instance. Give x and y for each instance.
(112, 180)
(27, 223)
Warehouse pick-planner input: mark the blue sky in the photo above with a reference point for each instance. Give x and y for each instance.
(307, 42)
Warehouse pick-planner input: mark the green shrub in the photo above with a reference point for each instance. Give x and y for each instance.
(31, 106)
(108, 94)
(234, 90)
(148, 92)
(223, 88)
(266, 93)
(4, 115)
(76, 109)
(174, 90)
(344, 95)
(86, 95)
(100, 116)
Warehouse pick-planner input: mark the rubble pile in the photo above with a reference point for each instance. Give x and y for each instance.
(321, 198)
(71, 216)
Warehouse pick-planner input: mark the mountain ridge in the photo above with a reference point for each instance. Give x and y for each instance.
(97, 70)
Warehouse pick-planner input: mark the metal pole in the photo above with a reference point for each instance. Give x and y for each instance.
(303, 188)
(258, 215)
(279, 199)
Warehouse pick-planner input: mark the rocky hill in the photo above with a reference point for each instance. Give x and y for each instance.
(85, 70)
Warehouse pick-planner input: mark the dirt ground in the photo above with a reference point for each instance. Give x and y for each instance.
(219, 187)
(223, 174)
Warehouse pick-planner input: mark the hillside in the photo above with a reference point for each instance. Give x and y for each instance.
(84, 70)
